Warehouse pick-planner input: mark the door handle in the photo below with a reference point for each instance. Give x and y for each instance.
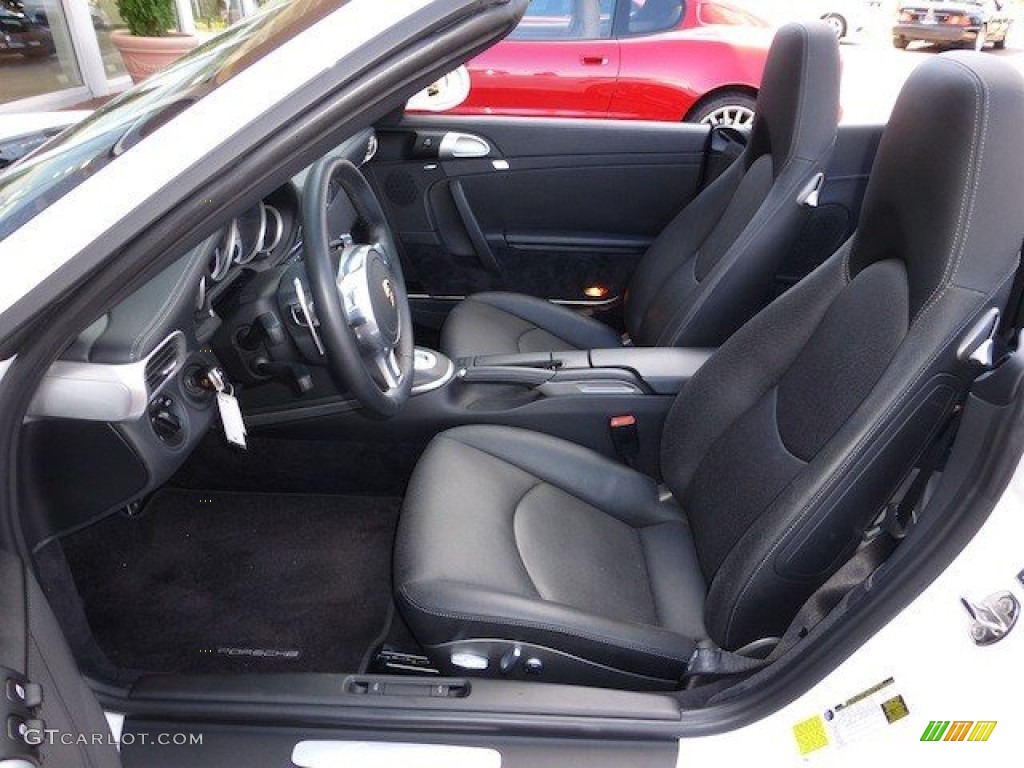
(593, 61)
(455, 146)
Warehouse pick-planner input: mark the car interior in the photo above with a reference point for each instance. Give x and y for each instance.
(532, 401)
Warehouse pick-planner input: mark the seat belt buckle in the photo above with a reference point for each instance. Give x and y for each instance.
(625, 438)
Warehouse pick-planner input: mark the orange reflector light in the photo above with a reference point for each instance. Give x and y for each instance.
(595, 291)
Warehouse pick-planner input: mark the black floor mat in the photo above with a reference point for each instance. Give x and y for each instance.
(238, 582)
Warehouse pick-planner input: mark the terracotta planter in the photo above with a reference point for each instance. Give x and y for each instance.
(145, 55)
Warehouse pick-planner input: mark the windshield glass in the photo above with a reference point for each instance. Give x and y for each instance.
(63, 163)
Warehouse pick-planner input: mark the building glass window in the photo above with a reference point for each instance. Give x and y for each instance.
(105, 19)
(36, 55)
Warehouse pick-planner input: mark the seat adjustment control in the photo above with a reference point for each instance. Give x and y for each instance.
(510, 660)
(469, 660)
(533, 666)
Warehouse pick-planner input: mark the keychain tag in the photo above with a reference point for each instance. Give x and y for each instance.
(231, 419)
(227, 406)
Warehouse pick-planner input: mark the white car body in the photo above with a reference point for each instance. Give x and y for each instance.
(926, 651)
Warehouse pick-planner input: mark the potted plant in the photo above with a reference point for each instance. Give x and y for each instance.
(150, 42)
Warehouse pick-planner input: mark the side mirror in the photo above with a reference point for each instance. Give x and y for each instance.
(443, 94)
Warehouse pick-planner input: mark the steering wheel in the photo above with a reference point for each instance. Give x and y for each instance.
(358, 291)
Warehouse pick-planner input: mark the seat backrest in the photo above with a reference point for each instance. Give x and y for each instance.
(798, 430)
(712, 267)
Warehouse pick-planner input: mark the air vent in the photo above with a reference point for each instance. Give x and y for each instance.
(163, 362)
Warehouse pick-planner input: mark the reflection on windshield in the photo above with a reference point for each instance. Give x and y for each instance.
(63, 163)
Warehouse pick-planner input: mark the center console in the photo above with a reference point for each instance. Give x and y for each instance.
(621, 371)
(613, 401)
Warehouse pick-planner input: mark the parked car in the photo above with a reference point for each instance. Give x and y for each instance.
(627, 59)
(39, 10)
(19, 34)
(971, 22)
(846, 17)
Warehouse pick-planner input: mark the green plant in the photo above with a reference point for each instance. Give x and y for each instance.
(148, 18)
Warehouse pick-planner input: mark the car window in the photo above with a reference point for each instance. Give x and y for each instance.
(719, 13)
(566, 20)
(649, 16)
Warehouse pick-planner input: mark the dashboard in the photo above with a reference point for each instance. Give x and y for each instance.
(129, 399)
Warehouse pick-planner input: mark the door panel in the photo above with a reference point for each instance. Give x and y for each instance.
(555, 208)
(576, 207)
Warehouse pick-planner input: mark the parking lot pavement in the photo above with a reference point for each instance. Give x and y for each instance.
(874, 72)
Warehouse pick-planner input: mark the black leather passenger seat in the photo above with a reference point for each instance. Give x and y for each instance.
(712, 268)
(778, 454)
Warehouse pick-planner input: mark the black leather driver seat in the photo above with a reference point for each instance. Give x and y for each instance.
(711, 268)
(778, 453)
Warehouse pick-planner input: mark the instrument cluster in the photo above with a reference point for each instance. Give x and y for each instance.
(253, 236)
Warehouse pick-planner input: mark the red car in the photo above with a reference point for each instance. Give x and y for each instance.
(627, 59)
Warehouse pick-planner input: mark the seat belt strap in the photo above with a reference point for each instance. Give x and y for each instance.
(20, 699)
(725, 144)
(901, 516)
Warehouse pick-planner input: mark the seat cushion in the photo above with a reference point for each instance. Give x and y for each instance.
(508, 323)
(515, 535)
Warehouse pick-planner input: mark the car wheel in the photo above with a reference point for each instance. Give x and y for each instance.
(735, 109)
(981, 38)
(838, 24)
(1000, 44)
(900, 42)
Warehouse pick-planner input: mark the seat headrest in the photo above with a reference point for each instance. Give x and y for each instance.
(798, 104)
(949, 165)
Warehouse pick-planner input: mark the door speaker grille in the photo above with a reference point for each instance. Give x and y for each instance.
(401, 188)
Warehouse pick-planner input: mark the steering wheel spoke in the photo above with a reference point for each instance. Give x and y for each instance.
(390, 371)
(359, 291)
